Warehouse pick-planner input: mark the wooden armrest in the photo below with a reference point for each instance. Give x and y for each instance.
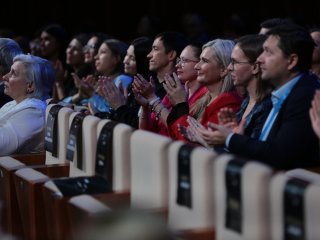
(114, 199)
(30, 159)
(54, 170)
(198, 234)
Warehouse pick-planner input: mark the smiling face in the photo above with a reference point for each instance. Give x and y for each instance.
(16, 84)
(208, 68)
(185, 68)
(130, 64)
(158, 58)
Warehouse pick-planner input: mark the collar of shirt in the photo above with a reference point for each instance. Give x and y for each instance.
(284, 90)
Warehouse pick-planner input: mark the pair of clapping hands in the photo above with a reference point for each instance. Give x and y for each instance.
(115, 95)
(144, 90)
(215, 134)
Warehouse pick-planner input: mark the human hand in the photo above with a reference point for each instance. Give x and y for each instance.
(112, 94)
(226, 115)
(143, 87)
(314, 113)
(175, 89)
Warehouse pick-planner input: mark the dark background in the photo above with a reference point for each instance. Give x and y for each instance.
(120, 18)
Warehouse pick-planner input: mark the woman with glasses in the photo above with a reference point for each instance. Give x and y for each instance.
(245, 71)
(90, 50)
(182, 85)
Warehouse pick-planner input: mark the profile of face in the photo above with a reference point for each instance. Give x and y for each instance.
(89, 49)
(48, 45)
(241, 69)
(15, 84)
(158, 58)
(209, 70)
(105, 61)
(130, 64)
(272, 61)
(186, 63)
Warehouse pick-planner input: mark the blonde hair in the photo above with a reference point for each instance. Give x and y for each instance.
(222, 49)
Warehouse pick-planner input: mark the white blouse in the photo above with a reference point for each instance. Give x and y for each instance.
(22, 126)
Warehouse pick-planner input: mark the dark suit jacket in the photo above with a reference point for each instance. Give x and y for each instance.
(291, 142)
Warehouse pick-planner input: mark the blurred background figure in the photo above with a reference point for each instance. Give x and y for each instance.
(148, 26)
(315, 68)
(269, 23)
(195, 28)
(8, 50)
(126, 225)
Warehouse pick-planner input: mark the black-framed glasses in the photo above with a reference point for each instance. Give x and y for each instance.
(185, 60)
(235, 62)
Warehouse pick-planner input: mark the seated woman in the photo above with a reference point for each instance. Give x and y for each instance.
(22, 120)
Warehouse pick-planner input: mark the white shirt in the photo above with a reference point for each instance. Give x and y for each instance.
(22, 126)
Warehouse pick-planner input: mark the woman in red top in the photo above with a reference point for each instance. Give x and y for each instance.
(213, 74)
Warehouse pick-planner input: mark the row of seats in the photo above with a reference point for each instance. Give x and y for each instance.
(201, 194)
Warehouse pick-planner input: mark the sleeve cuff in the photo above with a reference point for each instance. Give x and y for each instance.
(177, 111)
(229, 139)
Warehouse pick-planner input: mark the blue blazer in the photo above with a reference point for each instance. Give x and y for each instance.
(291, 142)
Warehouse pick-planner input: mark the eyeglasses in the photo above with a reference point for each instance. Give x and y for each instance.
(235, 62)
(183, 61)
(89, 47)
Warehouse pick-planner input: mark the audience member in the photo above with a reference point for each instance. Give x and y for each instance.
(8, 50)
(315, 68)
(270, 23)
(124, 105)
(109, 63)
(22, 120)
(181, 86)
(315, 113)
(166, 47)
(287, 139)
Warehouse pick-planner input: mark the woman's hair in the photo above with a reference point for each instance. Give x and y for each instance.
(40, 73)
(252, 47)
(118, 49)
(142, 46)
(222, 49)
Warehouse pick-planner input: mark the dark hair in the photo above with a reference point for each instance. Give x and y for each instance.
(273, 22)
(118, 48)
(142, 46)
(295, 39)
(314, 29)
(82, 38)
(58, 32)
(173, 41)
